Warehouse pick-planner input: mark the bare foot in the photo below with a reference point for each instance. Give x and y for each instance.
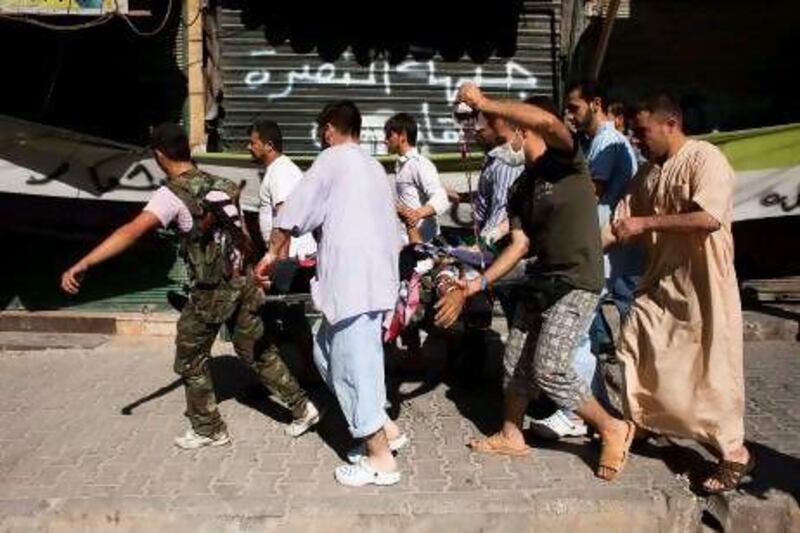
(500, 444)
(383, 462)
(392, 430)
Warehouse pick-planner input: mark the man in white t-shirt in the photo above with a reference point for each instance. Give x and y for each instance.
(280, 178)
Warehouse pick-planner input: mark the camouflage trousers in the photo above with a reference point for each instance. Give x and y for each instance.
(541, 348)
(236, 304)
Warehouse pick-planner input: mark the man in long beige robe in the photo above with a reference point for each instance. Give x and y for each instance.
(681, 345)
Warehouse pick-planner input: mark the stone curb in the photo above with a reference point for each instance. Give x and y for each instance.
(150, 324)
(758, 326)
(630, 510)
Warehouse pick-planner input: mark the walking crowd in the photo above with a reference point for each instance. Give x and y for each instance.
(582, 213)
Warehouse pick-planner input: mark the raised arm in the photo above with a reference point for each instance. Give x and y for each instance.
(550, 127)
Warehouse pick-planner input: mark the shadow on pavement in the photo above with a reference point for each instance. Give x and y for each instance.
(774, 470)
(163, 391)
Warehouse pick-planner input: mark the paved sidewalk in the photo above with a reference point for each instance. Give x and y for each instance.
(86, 443)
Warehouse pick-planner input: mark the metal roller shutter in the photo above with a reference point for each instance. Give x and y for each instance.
(291, 88)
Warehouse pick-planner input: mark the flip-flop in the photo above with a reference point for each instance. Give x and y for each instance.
(497, 445)
(613, 458)
(730, 474)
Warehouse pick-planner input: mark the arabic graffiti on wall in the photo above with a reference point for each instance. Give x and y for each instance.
(382, 80)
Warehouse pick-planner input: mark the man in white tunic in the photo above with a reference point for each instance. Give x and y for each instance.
(682, 341)
(345, 197)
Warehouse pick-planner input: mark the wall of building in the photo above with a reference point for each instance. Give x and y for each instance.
(105, 80)
(729, 61)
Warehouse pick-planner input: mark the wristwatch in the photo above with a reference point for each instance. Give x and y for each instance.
(484, 283)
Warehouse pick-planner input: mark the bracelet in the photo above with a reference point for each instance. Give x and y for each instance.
(484, 283)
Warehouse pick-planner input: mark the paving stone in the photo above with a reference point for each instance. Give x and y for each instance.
(72, 456)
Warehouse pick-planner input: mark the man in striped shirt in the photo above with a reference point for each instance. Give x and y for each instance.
(503, 164)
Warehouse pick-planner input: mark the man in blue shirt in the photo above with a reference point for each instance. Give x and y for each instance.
(503, 163)
(612, 163)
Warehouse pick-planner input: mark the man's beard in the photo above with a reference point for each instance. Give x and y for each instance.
(584, 125)
(489, 144)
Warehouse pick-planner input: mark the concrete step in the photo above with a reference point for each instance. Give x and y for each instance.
(28, 341)
(761, 322)
(772, 290)
(630, 510)
(104, 323)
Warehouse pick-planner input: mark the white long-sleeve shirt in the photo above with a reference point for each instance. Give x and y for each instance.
(280, 179)
(347, 196)
(417, 183)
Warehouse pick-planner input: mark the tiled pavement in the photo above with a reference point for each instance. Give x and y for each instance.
(76, 454)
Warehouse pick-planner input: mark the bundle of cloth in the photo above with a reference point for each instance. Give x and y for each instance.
(428, 271)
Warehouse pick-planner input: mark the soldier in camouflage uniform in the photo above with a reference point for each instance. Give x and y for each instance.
(217, 252)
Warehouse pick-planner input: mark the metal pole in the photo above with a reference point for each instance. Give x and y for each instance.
(194, 67)
(605, 36)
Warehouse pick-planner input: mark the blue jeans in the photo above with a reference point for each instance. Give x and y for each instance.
(349, 357)
(585, 365)
(620, 291)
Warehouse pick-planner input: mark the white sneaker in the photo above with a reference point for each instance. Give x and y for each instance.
(361, 474)
(310, 418)
(559, 425)
(355, 455)
(191, 440)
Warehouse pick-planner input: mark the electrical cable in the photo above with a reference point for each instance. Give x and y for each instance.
(139, 32)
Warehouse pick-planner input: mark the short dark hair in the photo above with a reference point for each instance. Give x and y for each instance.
(665, 105)
(589, 90)
(172, 141)
(269, 132)
(402, 123)
(344, 115)
(543, 102)
(617, 109)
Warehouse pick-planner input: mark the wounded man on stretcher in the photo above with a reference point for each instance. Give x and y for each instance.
(427, 272)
